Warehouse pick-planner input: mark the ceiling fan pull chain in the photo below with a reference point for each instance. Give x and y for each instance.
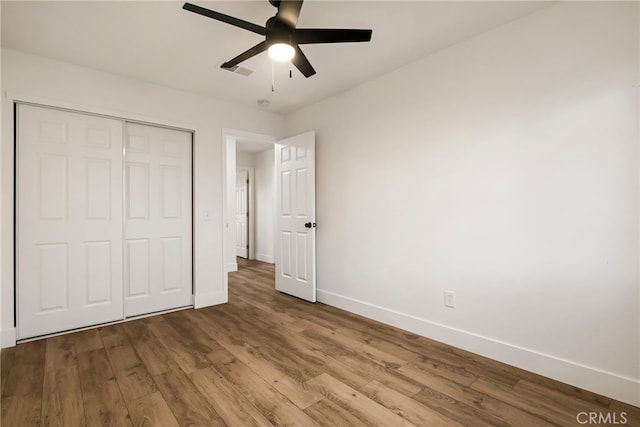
(273, 79)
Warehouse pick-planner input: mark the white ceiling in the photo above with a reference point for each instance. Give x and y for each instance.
(158, 42)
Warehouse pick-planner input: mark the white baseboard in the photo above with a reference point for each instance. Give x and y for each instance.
(621, 388)
(8, 338)
(209, 298)
(265, 258)
(231, 266)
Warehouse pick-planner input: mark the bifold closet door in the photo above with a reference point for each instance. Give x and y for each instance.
(157, 249)
(69, 220)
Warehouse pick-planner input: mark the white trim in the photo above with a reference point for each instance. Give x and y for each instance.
(8, 338)
(265, 258)
(616, 386)
(228, 149)
(210, 298)
(92, 109)
(241, 134)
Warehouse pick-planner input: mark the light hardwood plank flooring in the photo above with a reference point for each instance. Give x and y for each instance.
(270, 359)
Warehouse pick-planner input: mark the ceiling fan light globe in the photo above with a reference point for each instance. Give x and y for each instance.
(281, 52)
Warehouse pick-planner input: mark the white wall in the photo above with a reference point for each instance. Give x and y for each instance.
(244, 158)
(31, 77)
(504, 168)
(265, 205)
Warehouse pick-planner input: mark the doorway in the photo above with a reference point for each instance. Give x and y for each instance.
(255, 202)
(292, 227)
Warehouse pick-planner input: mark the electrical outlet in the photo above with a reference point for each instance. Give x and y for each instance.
(450, 299)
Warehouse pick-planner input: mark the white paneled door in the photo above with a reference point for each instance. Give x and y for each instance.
(157, 241)
(242, 213)
(69, 220)
(296, 212)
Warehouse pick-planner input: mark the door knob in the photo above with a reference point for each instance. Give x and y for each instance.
(310, 225)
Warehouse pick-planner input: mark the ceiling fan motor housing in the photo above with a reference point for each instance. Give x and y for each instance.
(278, 31)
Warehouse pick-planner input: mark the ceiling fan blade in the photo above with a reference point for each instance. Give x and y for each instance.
(289, 11)
(302, 63)
(225, 18)
(260, 47)
(330, 35)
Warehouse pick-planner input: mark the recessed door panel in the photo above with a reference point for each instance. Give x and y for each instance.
(99, 138)
(98, 272)
(52, 171)
(53, 276)
(137, 262)
(171, 263)
(301, 261)
(285, 191)
(301, 193)
(98, 188)
(53, 131)
(285, 254)
(137, 143)
(285, 154)
(137, 190)
(171, 187)
(171, 148)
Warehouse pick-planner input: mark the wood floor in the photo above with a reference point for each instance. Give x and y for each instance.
(269, 359)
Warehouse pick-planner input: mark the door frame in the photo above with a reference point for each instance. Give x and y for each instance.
(229, 137)
(8, 337)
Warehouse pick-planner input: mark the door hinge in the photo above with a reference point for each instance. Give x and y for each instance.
(247, 182)
(247, 247)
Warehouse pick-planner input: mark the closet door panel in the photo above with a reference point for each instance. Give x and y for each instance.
(69, 220)
(158, 213)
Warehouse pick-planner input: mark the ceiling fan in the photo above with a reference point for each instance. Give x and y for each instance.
(282, 38)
